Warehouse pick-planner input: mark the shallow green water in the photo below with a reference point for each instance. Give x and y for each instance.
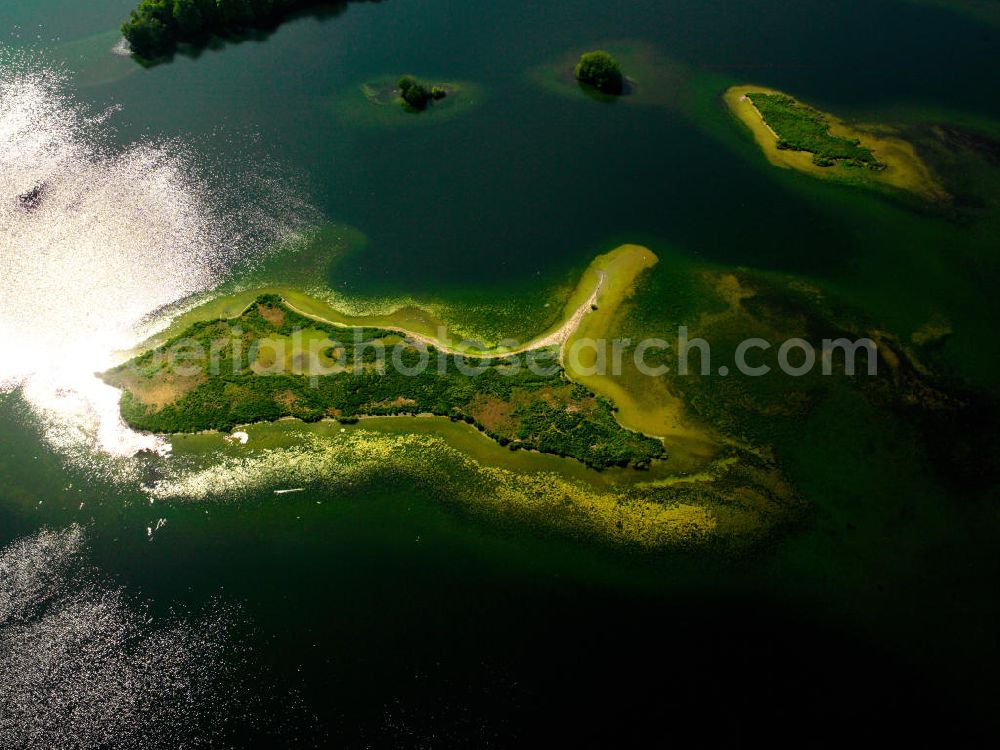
(400, 618)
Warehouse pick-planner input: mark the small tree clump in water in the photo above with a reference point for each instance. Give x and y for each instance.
(602, 71)
(416, 95)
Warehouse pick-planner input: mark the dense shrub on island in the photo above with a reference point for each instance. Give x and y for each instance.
(602, 71)
(416, 94)
(802, 128)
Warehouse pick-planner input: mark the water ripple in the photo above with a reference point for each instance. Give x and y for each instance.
(94, 237)
(84, 666)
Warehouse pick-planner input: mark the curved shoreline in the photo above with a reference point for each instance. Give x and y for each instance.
(607, 272)
(558, 337)
(608, 281)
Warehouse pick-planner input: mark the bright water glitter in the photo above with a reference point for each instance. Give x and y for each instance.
(82, 665)
(117, 233)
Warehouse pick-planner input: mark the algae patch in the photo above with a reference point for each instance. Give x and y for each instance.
(737, 508)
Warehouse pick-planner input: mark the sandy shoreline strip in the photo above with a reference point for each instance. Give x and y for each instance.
(557, 337)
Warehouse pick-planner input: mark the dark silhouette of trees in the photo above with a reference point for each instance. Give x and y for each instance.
(156, 27)
(416, 94)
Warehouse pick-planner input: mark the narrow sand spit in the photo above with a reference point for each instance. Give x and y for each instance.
(562, 334)
(557, 337)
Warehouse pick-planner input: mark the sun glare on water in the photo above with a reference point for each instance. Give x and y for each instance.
(94, 239)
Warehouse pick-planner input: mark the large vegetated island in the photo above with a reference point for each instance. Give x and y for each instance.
(533, 408)
(156, 27)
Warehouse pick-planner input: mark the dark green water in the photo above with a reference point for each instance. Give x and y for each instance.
(398, 620)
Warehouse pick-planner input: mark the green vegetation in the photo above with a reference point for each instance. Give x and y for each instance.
(602, 71)
(416, 95)
(379, 103)
(250, 379)
(156, 27)
(802, 128)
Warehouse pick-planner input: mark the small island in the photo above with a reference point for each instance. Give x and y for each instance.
(601, 71)
(394, 101)
(273, 362)
(417, 96)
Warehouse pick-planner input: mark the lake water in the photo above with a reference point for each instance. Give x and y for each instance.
(376, 609)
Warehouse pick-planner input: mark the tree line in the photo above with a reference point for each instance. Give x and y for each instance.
(156, 27)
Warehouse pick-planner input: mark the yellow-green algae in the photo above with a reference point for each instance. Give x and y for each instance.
(741, 413)
(644, 403)
(298, 271)
(905, 169)
(739, 506)
(411, 319)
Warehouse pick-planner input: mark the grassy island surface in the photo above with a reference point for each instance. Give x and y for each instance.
(273, 362)
(802, 128)
(796, 136)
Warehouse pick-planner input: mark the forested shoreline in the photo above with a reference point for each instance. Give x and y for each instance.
(156, 27)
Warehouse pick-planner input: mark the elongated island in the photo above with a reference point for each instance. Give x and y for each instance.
(273, 361)
(794, 135)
